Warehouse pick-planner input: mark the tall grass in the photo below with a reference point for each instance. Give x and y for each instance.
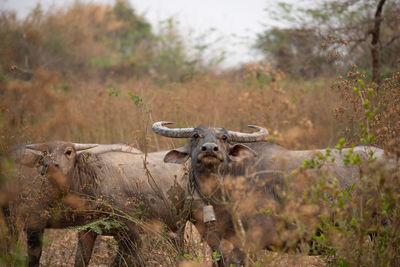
(42, 109)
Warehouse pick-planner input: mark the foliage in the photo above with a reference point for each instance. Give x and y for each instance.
(342, 29)
(11, 253)
(113, 91)
(176, 59)
(99, 225)
(260, 74)
(361, 226)
(89, 40)
(361, 233)
(294, 51)
(371, 112)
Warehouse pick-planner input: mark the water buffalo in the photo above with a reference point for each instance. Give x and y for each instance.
(118, 180)
(36, 197)
(239, 175)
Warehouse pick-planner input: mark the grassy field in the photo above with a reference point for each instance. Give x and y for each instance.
(81, 86)
(298, 115)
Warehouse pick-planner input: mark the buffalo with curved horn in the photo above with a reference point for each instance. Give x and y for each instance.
(237, 174)
(214, 153)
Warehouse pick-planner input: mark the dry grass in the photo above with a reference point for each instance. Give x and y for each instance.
(299, 116)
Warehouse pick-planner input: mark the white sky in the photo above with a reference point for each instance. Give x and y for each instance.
(237, 21)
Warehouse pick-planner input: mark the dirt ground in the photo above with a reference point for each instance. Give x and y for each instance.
(60, 246)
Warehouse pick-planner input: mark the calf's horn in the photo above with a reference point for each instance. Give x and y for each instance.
(32, 146)
(79, 147)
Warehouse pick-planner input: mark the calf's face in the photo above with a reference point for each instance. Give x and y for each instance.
(61, 155)
(58, 154)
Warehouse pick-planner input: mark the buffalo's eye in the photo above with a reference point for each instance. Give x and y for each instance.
(68, 152)
(224, 137)
(195, 136)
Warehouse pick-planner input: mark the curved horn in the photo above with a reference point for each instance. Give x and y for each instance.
(159, 128)
(32, 147)
(79, 147)
(249, 137)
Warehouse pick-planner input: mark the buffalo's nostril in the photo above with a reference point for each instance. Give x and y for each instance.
(216, 149)
(203, 148)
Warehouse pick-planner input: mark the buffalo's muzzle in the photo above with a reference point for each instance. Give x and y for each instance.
(209, 158)
(47, 162)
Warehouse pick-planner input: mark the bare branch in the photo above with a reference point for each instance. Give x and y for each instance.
(394, 38)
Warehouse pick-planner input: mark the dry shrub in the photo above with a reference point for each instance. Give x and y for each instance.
(259, 73)
(76, 42)
(383, 106)
(387, 124)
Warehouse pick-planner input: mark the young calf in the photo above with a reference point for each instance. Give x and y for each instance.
(103, 181)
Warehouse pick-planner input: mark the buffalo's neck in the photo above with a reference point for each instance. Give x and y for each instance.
(208, 183)
(83, 182)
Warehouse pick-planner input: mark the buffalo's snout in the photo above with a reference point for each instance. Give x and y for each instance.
(209, 147)
(47, 162)
(210, 154)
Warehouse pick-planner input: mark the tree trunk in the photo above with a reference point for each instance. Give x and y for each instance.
(375, 49)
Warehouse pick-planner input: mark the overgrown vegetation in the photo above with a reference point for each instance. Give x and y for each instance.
(98, 74)
(361, 227)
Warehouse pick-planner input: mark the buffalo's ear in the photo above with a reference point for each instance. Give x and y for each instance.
(242, 151)
(25, 156)
(178, 156)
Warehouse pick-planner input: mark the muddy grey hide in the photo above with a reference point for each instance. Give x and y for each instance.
(233, 175)
(102, 180)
